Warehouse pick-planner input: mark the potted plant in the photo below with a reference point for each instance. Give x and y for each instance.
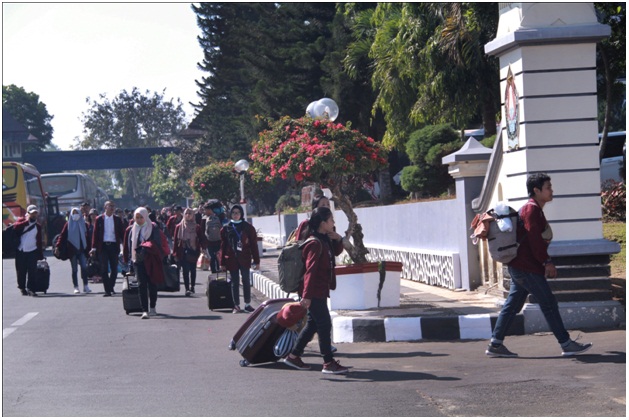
(326, 153)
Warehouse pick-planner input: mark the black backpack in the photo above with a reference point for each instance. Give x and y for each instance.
(11, 240)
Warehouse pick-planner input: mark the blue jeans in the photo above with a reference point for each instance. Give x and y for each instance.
(523, 283)
(75, 260)
(246, 285)
(320, 322)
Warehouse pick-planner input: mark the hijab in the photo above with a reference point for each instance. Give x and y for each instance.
(188, 231)
(76, 230)
(144, 231)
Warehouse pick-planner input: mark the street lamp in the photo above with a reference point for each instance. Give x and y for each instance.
(241, 167)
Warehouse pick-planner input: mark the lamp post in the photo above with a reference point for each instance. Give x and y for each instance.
(241, 167)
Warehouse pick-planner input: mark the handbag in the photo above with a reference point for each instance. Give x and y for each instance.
(140, 254)
(190, 255)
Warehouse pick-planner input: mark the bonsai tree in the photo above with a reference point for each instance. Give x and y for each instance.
(317, 151)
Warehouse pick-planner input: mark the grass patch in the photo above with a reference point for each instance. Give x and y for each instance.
(617, 232)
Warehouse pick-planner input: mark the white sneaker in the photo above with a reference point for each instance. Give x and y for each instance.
(152, 312)
(76, 291)
(86, 289)
(145, 315)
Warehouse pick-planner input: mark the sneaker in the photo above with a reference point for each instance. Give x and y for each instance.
(24, 292)
(152, 312)
(86, 289)
(296, 362)
(334, 367)
(249, 308)
(236, 310)
(31, 293)
(107, 294)
(187, 292)
(574, 348)
(192, 292)
(145, 315)
(334, 349)
(500, 351)
(76, 291)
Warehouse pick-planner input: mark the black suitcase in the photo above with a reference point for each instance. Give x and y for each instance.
(257, 336)
(131, 295)
(219, 293)
(42, 278)
(171, 279)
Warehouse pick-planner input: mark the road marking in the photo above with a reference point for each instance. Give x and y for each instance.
(8, 331)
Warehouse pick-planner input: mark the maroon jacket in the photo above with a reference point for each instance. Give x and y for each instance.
(533, 250)
(319, 278)
(153, 262)
(99, 232)
(171, 224)
(178, 245)
(21, 224)
(249, 239)
(63, 238)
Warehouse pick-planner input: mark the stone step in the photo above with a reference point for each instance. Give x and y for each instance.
(580, 284)
(579, 295)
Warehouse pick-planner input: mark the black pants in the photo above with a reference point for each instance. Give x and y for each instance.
(213, 249)
(26, 263)
(148, 290)
(109, 256)
(320, 322)
(189, 274)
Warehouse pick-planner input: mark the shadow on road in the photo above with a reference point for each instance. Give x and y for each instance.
(388, 376)
(392, 355)
(190, 318)
(610, 357)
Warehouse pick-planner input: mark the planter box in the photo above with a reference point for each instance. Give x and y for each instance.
(357, 286)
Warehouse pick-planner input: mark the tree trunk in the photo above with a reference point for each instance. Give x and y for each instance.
(489, 117)
(357, 250)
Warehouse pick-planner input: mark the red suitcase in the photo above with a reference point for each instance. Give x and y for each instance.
(257, 336)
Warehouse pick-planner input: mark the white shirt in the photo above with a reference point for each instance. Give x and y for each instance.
(109, 234)
(28, 241)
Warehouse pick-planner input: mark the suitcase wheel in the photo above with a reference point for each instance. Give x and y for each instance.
(232, 345)
(127, 312)
(244, 363)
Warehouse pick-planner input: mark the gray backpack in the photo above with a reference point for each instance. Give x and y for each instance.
(503, 246)
(213, 229)
(291, 266)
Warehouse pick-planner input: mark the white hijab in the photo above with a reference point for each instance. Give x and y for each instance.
(145, 231)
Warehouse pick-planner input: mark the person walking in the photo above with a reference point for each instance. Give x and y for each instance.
(319, 279)
(172, 222)
(212, 228)
(106, 239)
(239, 246)
(29, 251)
(74, 239)
(146, 254)
(529, 271)
(189, 241)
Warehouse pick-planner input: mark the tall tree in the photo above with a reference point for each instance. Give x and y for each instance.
(132, 119)
(27, 109)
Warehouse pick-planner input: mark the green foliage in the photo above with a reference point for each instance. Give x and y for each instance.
(288, 201)
(617, 232)
(216, 180)
(130, 120)
(425, 149)
(168, 183)
(489, 141)
(26, 109)
(614, 201)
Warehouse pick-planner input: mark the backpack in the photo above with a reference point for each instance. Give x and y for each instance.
(213, 229)
(61, 251)
(11, 240)
(502, 246)
(291, 266)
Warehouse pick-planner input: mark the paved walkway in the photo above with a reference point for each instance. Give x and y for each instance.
(425, 312)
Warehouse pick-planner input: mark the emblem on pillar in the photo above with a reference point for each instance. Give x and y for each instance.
(512, 112)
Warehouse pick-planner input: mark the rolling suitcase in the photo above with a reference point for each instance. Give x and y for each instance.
(42, 278)
(131, 295)
(219, 293)
(257, 336)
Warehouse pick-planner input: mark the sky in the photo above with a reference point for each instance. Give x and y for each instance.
(68, 52)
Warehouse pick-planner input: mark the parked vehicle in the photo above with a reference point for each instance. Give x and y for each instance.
(72, 189)
(613, 163)
(21, 187)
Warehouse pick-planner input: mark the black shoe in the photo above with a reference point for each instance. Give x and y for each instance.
(24, 292)
(31, 293)
(107, 295)
(113, 292)
(249, 308)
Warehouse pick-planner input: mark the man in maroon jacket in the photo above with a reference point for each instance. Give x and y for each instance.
(529, 270)
(106, 239)
(29, 251)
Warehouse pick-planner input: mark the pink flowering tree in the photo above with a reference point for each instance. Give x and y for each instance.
(331, 155)
(216, 180)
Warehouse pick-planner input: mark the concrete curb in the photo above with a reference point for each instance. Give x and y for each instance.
(412, 328)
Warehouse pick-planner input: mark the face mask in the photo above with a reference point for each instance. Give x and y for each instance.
(76, 217)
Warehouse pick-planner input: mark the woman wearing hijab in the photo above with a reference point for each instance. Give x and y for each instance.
(239, 245)
(189, 239)
(146, 253)
(74, 237)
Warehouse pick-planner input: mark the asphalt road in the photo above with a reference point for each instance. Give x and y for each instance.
(67, 355)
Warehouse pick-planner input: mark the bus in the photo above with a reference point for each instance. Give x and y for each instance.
(71, 189)
(21, 187)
